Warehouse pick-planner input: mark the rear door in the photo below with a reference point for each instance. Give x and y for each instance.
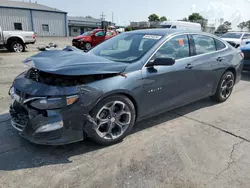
(109, 34)
(207, 59)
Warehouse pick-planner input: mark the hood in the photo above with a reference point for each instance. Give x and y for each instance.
(71, 61)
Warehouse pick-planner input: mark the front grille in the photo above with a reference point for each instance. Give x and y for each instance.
(22, 94)
(19, 116)
(75, 40)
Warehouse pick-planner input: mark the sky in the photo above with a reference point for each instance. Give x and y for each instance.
(125, 11)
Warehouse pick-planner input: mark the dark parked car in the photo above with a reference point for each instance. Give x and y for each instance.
(68, 95)
(246, 51)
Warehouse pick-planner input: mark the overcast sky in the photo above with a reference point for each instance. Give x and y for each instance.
(139, 10)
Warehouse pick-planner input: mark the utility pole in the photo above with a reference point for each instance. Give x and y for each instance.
(102, 16)
(112, 18)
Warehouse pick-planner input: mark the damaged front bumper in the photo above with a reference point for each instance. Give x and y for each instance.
(50, 127)
(62, 124)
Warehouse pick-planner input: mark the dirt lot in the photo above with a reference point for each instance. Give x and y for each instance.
(202, 145)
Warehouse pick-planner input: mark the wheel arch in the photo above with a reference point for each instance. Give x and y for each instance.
(233, 70)
(124, 93)
(15, 38)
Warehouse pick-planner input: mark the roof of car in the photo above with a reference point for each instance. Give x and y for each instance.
(162, 31)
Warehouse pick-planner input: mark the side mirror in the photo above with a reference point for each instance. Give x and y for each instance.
(161, 62)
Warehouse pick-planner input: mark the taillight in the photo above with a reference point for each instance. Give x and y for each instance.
(33, 36)
(242, 54)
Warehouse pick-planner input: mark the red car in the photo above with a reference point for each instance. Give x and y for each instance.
(92, 38)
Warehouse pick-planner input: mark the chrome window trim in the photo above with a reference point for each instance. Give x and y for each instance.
(178, 34)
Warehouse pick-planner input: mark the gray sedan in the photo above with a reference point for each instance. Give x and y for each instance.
(68, 95)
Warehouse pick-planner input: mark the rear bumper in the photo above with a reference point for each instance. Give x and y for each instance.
(31, 42)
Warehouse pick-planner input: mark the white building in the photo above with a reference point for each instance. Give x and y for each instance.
(26, 16)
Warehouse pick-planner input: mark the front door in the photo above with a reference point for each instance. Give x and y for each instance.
(166, 87)
(98, 38)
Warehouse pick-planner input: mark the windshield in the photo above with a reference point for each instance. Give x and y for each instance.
(126, 47)
(166, 26)
(87, 33)
(232, 35)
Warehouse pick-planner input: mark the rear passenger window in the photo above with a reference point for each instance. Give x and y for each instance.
(204, 44)
(219, 45)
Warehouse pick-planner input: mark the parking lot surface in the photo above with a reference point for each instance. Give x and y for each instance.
(201, 145)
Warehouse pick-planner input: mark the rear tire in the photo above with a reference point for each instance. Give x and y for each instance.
(17, 46)
(224, 88)
(111, 128)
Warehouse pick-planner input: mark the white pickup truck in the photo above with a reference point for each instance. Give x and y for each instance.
(16, 41)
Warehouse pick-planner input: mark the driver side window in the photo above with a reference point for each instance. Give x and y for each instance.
(177, 48)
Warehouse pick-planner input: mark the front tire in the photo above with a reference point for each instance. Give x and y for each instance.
(224, 88)
(17, 46)
(87, 46)
(114, 118)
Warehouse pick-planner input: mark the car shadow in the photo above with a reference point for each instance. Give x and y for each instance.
(17, 153)
(245, 76)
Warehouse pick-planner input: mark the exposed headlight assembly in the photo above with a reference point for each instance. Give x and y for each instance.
(81, 40)
(54, 103)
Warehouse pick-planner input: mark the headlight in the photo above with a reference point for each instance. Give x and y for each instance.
(11, 91)
(81, 40)
(54, 103)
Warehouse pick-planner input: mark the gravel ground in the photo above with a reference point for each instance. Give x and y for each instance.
(202, 145)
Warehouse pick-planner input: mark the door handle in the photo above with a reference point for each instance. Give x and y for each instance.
(189, 66)
(220, 59)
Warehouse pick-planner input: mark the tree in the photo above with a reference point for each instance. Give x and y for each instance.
(248, 25)
(128, 28)
(242, 25)
(163, 18)
(223, 28)
(228, 25)
(153, 18)
(184, 19)
(221, 20)
(195, 17)
(88, 16)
